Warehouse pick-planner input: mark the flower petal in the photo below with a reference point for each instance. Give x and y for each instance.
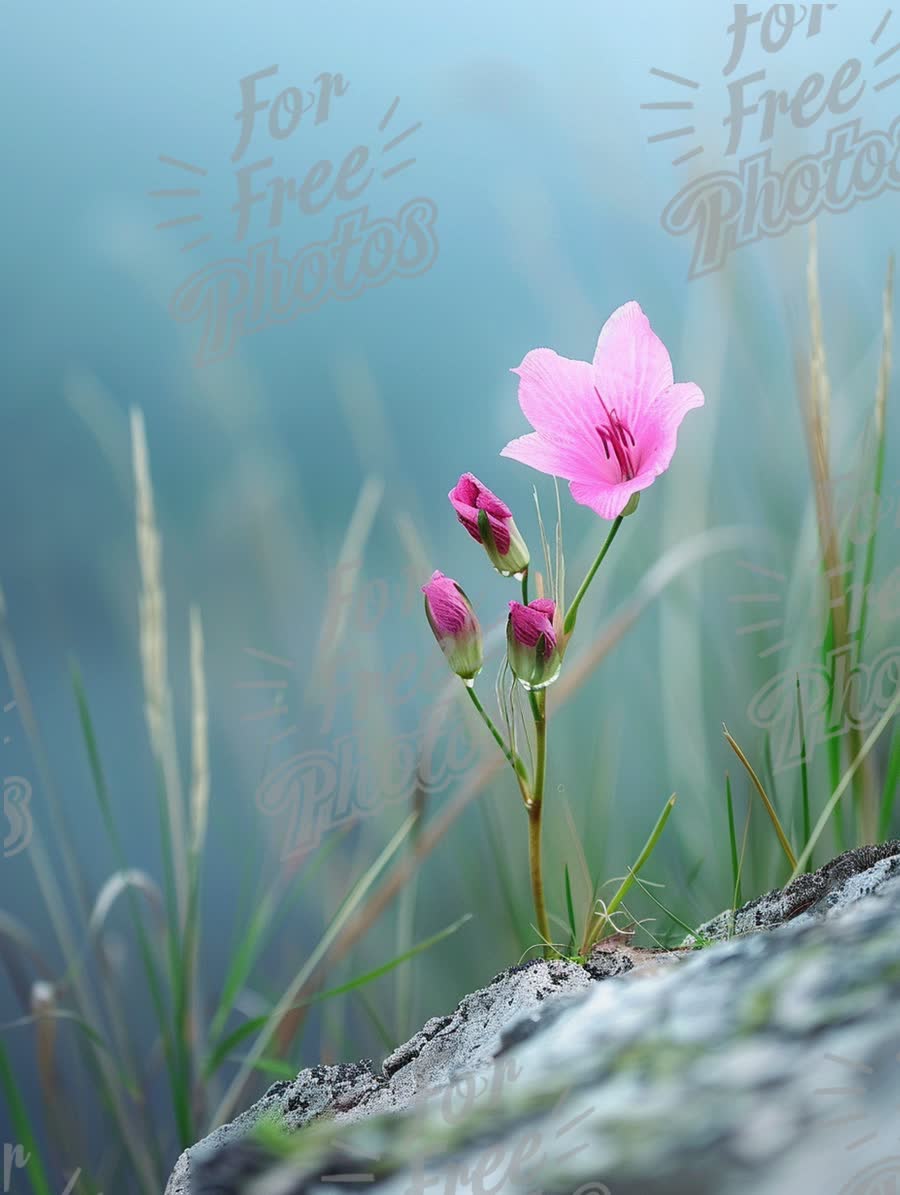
(674, 403)
(471, 492)
(608, 501)
(531, 622)
(631, 363)
(657, 434)
(468, 516)
(543, 455)
(450, 611)
(558, 399)
(544, 606)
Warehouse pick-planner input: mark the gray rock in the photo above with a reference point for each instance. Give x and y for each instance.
(764, 1064)
(444, 1048)
(839, 883)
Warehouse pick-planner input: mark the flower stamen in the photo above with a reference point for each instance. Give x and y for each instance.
(615, 436)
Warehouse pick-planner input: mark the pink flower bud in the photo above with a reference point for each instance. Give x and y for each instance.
(490, 521)
(532, 643)
(452, 619)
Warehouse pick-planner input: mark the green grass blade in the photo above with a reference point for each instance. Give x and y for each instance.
(891, 783)
(378, 1024)
(833, 751)
(224, 1048)
(804, 774)
(267, 915)
(647, 891)
(867, 746)
(21, 1127)
(570, 910)
(352, 901)
(594, 932)
(884, 377)
(383, 969)
(176, 1063)
(276, 1067)
(501, 870)
(732, 838)
(738, 899)
(60, 1014)
(769, 807)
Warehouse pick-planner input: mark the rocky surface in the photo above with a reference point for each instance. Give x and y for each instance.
(766, 1063)
(839, 883)
(461, 1043)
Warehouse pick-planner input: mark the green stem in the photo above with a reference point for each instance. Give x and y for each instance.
(525, 588)
(569, 624)
(516, 762)
(535, 810)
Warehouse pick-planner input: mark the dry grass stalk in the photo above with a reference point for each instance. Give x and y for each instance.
(154, 646)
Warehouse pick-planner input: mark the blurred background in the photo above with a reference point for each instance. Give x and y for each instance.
(300, 469)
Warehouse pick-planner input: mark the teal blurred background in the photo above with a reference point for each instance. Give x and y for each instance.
(534, 148)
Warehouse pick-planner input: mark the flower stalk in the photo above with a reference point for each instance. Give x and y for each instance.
(572, 615)
(535, 811)
(514, 759)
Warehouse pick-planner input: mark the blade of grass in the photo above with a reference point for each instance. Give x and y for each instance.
(804, 774)
(21, 1125)
(176, 1063)
(738, 900)
(177, 1060)
(501, 870)
(269, 912)
(60, 1014)
(647, 891)
(732, 837)
(349, 558)
(891, 784)
(62, 834)
(378, 1024)
(833, 752)
(102, 1072)
(583, 868)
(769, 807)
(594, 931)
(126, 1046)
(405, 935)
(21, 955)
(58, 905)
(817, 420)
(867, 746)
(224, 1048)
(353, 900)
(559, 575)
(275, 1067)
(384, 968)
(881, 396)
(570, 910)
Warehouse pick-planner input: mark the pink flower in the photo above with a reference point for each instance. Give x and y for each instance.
(609, 427)
(489, 521)
(532, 643)
(452, 619)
